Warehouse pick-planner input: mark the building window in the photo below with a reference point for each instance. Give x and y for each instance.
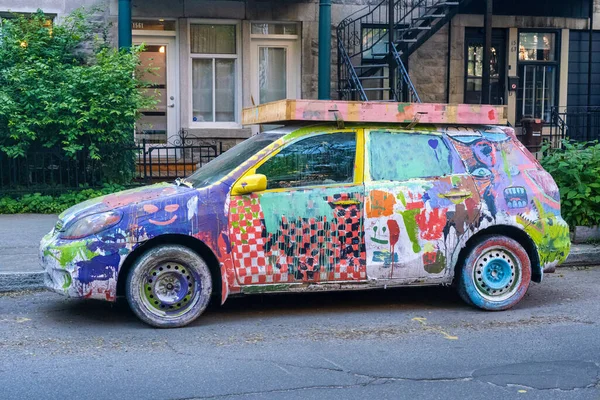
(538, 72)
(214, 64)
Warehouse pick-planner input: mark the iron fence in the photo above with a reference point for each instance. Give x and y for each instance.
(50, 171)
(579, 124)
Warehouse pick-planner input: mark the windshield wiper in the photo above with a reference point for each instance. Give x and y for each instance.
(182, 181)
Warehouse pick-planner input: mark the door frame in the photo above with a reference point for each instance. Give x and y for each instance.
(172, 62)
(358, 182)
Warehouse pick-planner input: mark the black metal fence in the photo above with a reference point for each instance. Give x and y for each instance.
(579, 124)
(51, 171)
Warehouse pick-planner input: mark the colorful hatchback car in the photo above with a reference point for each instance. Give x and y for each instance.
(316, 207)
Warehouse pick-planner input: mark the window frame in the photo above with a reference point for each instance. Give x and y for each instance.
(358, 177)
(236, 124)
(555, 63)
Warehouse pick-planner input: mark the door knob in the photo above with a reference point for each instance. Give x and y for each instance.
(172, 105)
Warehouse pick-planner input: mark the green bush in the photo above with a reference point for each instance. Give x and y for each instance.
(64, 86)
(46, 204)
(576, 170)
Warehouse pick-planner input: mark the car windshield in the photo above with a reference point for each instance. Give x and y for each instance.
(232, 158)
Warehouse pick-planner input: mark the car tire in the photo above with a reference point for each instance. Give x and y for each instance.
(169, 286)
(496, 273)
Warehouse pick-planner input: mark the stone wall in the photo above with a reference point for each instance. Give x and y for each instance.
(428, 67)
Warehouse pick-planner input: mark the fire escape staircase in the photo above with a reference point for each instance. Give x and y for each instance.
(369, 68)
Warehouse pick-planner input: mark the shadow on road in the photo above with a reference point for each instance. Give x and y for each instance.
(273, 306)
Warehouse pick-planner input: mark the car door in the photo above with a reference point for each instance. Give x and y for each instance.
(419, 203)
(306, 227)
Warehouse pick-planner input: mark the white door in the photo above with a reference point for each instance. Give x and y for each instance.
(275, 70)
(159, 125)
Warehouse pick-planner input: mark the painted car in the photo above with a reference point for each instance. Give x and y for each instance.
(316, 207)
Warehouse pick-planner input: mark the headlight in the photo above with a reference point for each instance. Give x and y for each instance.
(91, 224)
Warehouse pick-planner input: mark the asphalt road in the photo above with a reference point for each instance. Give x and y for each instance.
(417, 343)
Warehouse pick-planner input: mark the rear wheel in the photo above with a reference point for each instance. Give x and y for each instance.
(169, 286)
(496, 273)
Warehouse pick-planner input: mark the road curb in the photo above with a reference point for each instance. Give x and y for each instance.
(15, 281)
(588, 255)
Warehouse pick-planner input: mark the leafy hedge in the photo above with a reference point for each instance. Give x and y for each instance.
(576, 170)
(46, 204)
(63, 86)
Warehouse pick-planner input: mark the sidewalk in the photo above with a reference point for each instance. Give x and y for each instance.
(20, 236)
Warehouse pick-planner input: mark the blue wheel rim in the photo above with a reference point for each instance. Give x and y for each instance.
(497, 274)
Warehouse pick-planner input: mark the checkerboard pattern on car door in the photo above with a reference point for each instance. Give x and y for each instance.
(248, 242)
(303, 249)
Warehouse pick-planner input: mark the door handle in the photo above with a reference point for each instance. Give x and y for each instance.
(172, 105)
(346, 203)
(456, 194)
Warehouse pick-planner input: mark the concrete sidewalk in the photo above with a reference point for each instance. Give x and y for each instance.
(20, 236)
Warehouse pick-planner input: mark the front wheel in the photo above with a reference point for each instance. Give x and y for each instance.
(496, 273)
(169, 286)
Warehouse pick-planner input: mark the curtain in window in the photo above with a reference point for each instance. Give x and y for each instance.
(212, 39)
(272, 77)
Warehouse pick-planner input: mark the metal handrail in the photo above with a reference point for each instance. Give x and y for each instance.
(405, 77)
(353, 75)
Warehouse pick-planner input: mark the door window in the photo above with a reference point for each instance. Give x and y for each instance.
(152, 126)
(474, 45)
(538, 72)
(317, 160)
(272, 73)
(404, 156)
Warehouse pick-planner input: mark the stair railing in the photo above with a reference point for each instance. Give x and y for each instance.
(348, 83)
(403, 80)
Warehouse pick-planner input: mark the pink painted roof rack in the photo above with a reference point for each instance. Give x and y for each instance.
(284, 111)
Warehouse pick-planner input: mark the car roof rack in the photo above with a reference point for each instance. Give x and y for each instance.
(283, 112)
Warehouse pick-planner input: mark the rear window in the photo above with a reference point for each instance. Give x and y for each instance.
(402, 156)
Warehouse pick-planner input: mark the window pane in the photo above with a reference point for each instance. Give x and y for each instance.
(317, 160)
(272, 74)
(403, 156)
(274, 29)
(535, 46)
(152, 125)
(212, 39)
(225, 90)
(202, 90)
(538, 93)
(374, 42)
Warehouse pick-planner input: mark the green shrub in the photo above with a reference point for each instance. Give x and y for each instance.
(64, 86)
(576, 170)
(45, 204)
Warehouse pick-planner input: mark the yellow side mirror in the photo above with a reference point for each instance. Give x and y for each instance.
(250, 184)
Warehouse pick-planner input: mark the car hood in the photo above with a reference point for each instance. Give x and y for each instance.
(120, 199)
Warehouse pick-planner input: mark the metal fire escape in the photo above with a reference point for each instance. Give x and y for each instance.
(369, 68)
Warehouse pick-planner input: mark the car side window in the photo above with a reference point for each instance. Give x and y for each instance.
(402, 156)
(316, 160)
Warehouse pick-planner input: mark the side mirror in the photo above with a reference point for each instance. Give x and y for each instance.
(250, 184)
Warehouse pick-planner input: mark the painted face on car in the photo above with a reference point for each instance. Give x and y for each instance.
(161, 217)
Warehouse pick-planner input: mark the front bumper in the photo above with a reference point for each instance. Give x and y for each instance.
(84, 268)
